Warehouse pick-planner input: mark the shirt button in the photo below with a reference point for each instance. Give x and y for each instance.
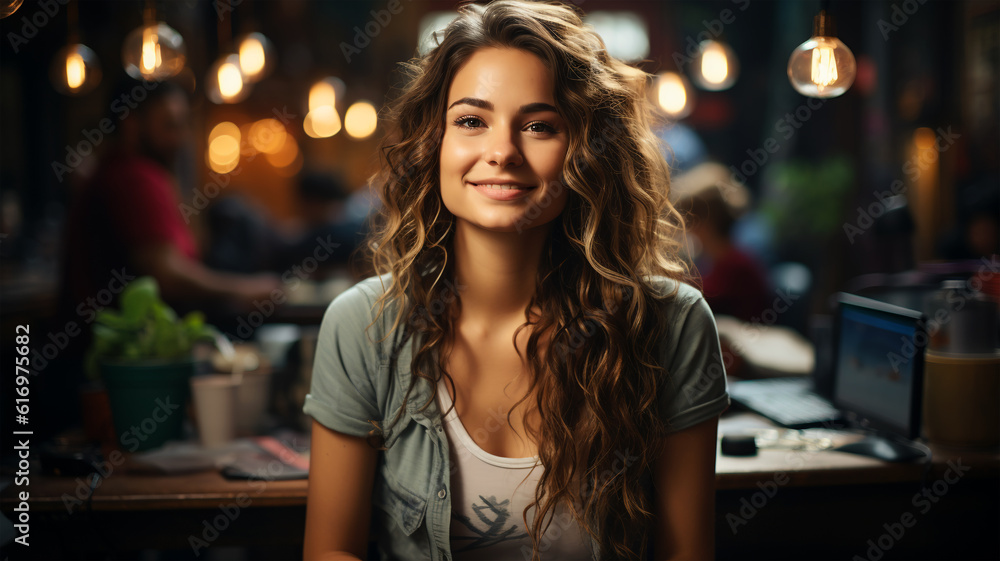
(442, 493)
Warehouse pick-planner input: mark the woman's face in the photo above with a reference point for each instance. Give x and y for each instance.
(501, 130)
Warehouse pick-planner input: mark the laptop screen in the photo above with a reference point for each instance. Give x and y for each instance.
(880, 352)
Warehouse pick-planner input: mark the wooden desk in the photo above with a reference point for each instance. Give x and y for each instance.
(785, 504)
(781, 503)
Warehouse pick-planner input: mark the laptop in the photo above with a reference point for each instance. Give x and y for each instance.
(876, 381)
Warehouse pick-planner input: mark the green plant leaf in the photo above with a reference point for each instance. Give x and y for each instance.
(139, 297)
(145, 328)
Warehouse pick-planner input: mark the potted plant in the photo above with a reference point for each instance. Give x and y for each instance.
(143, 354)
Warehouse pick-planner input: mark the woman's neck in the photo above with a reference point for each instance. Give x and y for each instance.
(495, 273)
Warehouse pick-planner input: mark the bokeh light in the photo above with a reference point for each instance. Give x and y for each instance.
(268, 136)
(224, 147)
(361, 119)
(322, 122)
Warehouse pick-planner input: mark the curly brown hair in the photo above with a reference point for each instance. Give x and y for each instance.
(617, 233)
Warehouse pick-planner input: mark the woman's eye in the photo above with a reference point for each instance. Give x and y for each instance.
(468, 122)
(539, 126)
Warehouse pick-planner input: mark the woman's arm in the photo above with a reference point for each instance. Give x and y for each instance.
(338, 507)
(684, 493)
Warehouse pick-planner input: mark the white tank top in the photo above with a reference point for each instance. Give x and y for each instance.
(488, 495)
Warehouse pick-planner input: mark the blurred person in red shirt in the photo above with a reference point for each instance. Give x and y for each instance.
(126, 221)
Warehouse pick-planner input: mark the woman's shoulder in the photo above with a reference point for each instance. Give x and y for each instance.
(362, 293)
(356, 305)
(685, 306)
(676, 293)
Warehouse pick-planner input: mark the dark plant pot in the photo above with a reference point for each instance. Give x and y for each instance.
(148, 400)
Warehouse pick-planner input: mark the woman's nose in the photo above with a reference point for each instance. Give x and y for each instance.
(501, 149)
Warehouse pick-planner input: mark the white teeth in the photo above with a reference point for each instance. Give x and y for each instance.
(506, 187)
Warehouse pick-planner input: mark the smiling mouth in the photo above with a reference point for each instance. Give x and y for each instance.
(502, 186)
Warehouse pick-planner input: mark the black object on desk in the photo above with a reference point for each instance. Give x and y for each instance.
(738, 445)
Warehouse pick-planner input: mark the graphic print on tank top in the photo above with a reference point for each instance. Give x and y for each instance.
(488, 496)
(492, 527)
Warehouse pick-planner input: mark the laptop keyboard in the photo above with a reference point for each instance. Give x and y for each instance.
(789, 402)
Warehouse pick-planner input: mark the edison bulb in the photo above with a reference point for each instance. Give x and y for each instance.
(153, 52)
(75, 70)
(823, 66)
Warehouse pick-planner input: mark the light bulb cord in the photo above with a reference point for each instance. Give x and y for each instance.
(149, 13)
(823, 23)
(72, 35)
(225, 31)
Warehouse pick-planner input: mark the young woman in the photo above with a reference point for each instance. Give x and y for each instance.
(529, 376)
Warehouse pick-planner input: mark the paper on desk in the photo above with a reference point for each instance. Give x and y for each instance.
(772, 350)
(768, 434)
(178, 457)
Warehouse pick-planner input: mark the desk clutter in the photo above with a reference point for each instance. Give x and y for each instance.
(232, 395)
(896, 373)
(281, 456)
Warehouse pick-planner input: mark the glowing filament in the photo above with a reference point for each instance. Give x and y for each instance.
(824, 66)
(150, 50)
(76, 71)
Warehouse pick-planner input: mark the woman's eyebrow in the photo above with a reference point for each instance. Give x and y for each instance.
(536, 107)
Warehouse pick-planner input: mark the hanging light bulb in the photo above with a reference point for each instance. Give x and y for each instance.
(674, 95)
(256, 56)
(8, 7)
(715, 66)
(225, 82)
(823, 66)
(154, 51)
(75, 70)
